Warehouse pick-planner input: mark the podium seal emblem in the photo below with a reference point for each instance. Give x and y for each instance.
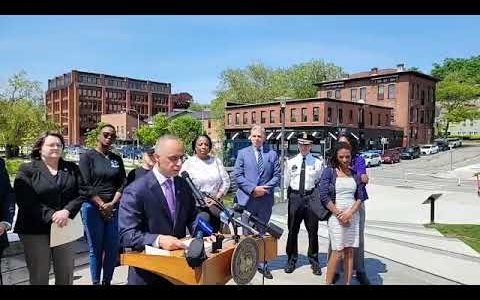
(244, 261)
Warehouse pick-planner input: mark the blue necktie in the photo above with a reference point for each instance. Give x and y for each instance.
(260, 162)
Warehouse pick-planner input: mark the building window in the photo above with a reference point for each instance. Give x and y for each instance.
(329, 94)
(237, 119)
(379, 119)
(209, 124)
(340, 116)
(411, 114)
(316, 114)
(363, 93)
(329, 115)
(229, 119)
(416, 114)
(337, 94)
(293, 113)
(391, 91)
(371, 118)
(353, 94)
(380, 92)
(411, 132)
(254, 117)
(422, 116)
(350, 117)
(245, 118)
(304, 115)
(422, 98)
(272, 117)
(263, 117)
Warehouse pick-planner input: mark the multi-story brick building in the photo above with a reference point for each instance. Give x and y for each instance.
(392, 106)
(76, 100)
(411, 94)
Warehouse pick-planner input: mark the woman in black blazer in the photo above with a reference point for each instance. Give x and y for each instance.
(47, 191)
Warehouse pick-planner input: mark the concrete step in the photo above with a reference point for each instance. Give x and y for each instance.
(457, 267)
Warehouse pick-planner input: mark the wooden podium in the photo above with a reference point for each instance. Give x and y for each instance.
(216, 269)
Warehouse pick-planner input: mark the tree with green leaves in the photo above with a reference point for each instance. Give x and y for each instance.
(455, 95)
(467, 68)
(198, 107)
(149, 134)
(22, 116)
(258, 83)
(186, 128)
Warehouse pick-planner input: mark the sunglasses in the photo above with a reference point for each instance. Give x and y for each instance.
(109, 135)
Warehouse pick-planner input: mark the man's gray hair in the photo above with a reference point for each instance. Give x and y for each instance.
(164, 138)
(258, 128)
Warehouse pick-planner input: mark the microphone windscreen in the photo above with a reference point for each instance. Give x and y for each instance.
(184, 174)
(274, 230)
(195, 254)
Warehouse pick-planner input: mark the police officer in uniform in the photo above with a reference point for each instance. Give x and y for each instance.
(302, 174)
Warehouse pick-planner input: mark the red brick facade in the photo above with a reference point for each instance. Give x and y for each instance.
(77, 100)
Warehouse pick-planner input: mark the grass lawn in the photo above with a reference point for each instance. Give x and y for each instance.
(228, 199)
(469, 234)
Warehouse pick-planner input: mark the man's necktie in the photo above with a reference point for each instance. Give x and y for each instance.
(260, 162)
(170, 196)
(302, 177)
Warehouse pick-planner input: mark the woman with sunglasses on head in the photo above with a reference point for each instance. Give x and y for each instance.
(341, 191)
(104, 176)
(47, 191)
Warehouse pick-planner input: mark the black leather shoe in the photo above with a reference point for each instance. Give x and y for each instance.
(336, 277)
(290, 267)
(266, 273)
(316, 269)
(362, 278)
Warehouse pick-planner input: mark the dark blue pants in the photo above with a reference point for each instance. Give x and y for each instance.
(103, 242)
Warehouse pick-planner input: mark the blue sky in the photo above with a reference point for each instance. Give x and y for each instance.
(191, 51)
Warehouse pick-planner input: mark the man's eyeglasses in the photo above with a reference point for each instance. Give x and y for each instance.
(109, 135)
(175, 159)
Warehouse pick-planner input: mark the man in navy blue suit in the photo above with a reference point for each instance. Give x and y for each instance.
(156, 209)
(257, 172)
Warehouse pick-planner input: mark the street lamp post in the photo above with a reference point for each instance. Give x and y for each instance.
(282, 149)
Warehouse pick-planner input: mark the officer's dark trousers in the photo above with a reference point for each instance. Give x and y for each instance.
(298, 211)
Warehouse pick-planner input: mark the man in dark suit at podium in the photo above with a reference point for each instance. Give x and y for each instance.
(156, 209)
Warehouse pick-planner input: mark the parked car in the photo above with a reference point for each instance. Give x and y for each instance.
(454, 142)
(428, 149)
(390, 157)
(410, 152)
(371, 159)
(442, 145)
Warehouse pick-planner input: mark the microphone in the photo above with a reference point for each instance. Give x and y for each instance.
(196, 193)
(195, 254)
(271, 228)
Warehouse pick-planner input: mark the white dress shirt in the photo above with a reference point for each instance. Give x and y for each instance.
(313, 171)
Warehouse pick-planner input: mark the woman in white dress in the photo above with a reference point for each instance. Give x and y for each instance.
(207, 173)
(341, 192)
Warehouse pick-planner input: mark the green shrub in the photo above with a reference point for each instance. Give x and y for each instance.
(12, 166)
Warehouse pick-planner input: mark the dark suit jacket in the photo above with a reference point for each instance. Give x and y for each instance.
(38, 196)
(144, 214)
(7, 202)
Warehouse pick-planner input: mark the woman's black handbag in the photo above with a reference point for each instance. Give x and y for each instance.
(317, 207)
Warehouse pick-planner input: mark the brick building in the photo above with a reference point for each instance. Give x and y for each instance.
(411, 94)
(395, 104)
(76, 100)
(181, 100)
(125, 124)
